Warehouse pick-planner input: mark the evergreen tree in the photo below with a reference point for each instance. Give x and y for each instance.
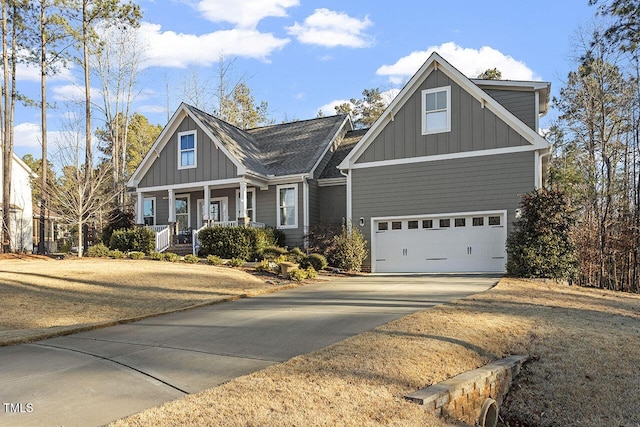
(540, 245)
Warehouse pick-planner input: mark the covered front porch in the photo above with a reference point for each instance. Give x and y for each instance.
(176, 215)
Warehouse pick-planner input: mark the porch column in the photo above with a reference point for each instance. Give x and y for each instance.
(242, 205)
(140, 210)
(172, 206)
(207, 205)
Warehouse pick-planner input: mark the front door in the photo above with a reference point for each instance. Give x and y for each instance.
(217, 210)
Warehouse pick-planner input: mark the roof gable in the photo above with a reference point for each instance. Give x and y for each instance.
(435, 62)
(277, 150)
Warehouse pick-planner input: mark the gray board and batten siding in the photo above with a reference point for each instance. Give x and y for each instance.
(473, 127)
(519, 103)
(471, 184)
(212, 163)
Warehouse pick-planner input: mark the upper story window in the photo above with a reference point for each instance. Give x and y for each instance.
(287, 206)
(436, 110)
(187, 150)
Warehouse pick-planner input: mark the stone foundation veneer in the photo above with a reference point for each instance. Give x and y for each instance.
(462, 396)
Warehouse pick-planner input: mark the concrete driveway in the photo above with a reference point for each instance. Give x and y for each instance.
(95, 377)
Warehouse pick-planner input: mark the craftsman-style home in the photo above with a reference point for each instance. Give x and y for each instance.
(434, 184)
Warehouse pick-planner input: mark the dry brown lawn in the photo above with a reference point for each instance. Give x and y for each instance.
(41, 297)
(584, 370)
(583, 345)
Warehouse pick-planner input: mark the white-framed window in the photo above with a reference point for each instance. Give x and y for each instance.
(287, 205)
(149, 211)
(183, 207)
(436, 110)
(251, 204)
(187, 149)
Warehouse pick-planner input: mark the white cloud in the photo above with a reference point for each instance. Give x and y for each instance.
(170, 49)
(245, 13)
(331, 29)
(74, 93)
(29, 135)
(329, 109)
(31, 72)
(470, 62)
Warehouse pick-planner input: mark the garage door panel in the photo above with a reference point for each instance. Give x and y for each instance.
(472, 245)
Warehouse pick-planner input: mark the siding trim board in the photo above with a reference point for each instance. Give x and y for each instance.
(450, 156)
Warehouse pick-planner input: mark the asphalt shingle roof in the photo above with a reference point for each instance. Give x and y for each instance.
(284, 149)
(293, 148)
(349, 141)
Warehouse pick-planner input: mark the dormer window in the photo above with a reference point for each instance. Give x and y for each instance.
(187, 150)
(436, 110)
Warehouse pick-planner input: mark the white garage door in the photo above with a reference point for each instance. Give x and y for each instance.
(438, 244)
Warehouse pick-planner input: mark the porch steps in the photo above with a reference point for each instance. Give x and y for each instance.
(181, 249)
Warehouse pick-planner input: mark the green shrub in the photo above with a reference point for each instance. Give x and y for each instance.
(191, 259)
(136, 255)
(97, 251)
(117, 220)
(272, 252)
(171, 257)
(311, 272)
(317, 261)
(138, 239)
(115, 253)
(297, 274)
(350, 249)
(225, 242)
(214, 260)
(540, 246)
(236, 262)
(156, 256)
(296, 255)
(264, 265)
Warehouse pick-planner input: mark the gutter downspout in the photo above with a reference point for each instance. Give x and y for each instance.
(349, 207)
(305, 207)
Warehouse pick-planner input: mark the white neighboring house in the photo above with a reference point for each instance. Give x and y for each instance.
(21, 224)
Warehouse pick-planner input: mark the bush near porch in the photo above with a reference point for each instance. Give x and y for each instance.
(236, 242)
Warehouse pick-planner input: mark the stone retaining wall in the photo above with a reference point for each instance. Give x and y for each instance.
(462, 397)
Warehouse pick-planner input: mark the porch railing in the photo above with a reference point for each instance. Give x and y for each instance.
(195, 242)
(162, 236)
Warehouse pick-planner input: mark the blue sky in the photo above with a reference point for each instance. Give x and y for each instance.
(301, 56)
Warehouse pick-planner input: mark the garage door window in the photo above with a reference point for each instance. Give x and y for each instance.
(383, 226)
(396, 225)
(444, 223)
(478, 221)
(427, 223)
(412, 225)
(460, 222)
(494, 220)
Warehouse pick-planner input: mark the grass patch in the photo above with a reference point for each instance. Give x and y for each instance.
(44, 298)
(584, 371)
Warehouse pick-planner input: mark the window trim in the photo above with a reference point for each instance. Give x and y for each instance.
(251, 192)
(182, 196)
(195, 149)
(279, 206)
(153, 200)
(425, 92)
